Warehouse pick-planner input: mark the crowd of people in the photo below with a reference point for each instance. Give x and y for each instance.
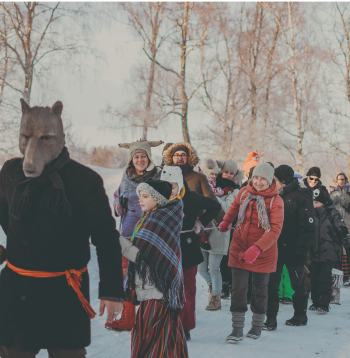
(249, 232)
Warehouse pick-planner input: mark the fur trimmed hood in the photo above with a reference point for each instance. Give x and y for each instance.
(193, 159)
(238, 178)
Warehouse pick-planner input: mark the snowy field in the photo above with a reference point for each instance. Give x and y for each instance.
(325, 336)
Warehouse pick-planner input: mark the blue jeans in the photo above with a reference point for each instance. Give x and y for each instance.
(209, 269)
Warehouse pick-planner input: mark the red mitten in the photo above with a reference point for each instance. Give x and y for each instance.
(224, 226)
(251, 254)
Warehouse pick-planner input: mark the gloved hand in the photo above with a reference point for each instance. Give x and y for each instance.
(224, 226)
(344, 203)
(198, 227)
(251, 254)
(228, 191)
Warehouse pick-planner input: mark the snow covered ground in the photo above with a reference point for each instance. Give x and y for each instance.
(325, 336)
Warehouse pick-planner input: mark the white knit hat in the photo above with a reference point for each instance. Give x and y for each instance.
(142, 146)
(209, 166)
(264, 170)
(173, 174)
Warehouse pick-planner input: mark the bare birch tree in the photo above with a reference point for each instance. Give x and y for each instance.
(31, 38)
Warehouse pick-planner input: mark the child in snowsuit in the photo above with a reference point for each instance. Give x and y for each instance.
(330, 234)
(155, 273)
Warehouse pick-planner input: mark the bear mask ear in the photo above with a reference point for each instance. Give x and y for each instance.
(57, 108)
(25, 106)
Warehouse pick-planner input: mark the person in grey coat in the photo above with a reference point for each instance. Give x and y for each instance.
(330, 234)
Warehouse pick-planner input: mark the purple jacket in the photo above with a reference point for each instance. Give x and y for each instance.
(128, 189)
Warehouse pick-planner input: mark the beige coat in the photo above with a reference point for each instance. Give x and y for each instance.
(143, 292)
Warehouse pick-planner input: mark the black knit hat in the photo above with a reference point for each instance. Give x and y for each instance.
(314, 171)
(159, 190)
(178, 148)
(320, 196)
(285, 174)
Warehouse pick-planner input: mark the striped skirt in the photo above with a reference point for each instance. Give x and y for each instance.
(344, 265)
(158, 332)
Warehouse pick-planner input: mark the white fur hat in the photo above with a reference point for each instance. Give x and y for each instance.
(209, 166)
(264, 170)
(173, 174)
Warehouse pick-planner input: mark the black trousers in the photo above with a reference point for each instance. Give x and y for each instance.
(297, 280)
(224, 269)
(240, 279)
(321, 282)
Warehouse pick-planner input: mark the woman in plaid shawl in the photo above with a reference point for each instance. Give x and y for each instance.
(155, 273)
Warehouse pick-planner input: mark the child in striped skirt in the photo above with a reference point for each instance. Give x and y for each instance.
(155, 273)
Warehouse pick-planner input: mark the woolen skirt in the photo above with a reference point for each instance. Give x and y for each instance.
(344, 266)
(158, 332)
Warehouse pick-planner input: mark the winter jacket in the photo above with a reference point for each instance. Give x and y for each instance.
(220, 241)
(145, 291)
(47, 310)
(196, 181)
(194, 205)
(133, 213)
(318, 186)
(298, 226)
(251, 233)
(330, 234)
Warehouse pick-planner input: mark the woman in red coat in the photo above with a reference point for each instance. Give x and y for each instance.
(260, 212)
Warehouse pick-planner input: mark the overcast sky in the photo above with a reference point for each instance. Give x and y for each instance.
(85, 97)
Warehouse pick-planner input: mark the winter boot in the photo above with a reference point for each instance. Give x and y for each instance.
(300, 307)
(257, 324)
(238, 325)
(323, 309)
(210, 290)
(271, 316)
(225, 292)
(127, 320)
(313, 307)
(214, 304)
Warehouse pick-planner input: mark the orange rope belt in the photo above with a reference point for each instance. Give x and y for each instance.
(73, 278)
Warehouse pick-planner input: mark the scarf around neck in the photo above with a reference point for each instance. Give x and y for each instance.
(159, 260)
(141, 178)
(261, 207)
(54, 198)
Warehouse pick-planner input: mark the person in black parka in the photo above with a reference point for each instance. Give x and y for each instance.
(198, 211)
(48, 216)
(331, 234)
(293, 246)
(313, 181)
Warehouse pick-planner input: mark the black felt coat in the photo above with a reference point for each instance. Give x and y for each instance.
(330, 235)
(46, 310)
(298, 226)
(194, 205)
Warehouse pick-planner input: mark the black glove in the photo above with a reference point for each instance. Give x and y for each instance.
(348, 255)
(299, 260)
(123, 201)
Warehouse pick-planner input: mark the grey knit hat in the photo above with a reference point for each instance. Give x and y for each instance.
(159, 190)
(264, 170)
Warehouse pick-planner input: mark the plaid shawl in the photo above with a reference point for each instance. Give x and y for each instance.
(159, 259)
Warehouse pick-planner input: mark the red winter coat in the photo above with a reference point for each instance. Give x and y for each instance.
(251, 232)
